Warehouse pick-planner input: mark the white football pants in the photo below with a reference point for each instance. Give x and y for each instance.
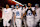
(30, 21)
(36, 20)
(18, 22)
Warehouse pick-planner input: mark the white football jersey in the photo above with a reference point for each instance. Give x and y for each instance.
(29, 13)
(17, 12)
(27, 8)
(7, 14)
(38, 11)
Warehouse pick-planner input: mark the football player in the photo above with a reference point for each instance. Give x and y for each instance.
(29, 16)
(37, 16)
(17, 16)
(24, 17)
(12, 20)
(6, 16)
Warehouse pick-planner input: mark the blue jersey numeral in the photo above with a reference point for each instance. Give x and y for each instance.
(17, 13)
(5, 11)
(29, 14)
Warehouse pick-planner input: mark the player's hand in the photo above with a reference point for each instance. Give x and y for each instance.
(21, 17)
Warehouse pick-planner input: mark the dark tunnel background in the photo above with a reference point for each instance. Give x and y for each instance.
(3, 2)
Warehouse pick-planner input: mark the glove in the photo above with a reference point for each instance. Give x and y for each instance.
(9, 21)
